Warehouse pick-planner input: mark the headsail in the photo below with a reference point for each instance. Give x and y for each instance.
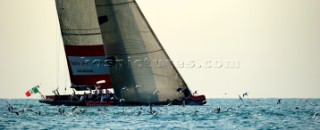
(144, 72)
(83, 43)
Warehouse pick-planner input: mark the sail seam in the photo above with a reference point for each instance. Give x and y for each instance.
(139, 53)
(83, 29)
(161, 75)
(117, 4)
(80, 34)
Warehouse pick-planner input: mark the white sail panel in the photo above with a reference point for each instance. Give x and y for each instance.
(144, 72)
(83, 43)
(78, 22)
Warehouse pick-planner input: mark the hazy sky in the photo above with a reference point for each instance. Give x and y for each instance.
(276, 43)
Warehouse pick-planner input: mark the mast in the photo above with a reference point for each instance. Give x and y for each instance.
(143, 72)
(83, 43)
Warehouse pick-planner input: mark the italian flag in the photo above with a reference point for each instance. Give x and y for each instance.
(34, 90)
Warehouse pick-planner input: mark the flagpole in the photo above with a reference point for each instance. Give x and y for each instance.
(41, 95)
(38, 86)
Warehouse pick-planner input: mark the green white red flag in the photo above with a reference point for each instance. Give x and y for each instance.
(32, 91)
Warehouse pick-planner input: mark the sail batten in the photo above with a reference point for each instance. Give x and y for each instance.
(113, 2)
(81, 34)
(138, 53)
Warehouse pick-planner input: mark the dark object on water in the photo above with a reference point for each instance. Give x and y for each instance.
(38, 113)
(245, 94)
(17, 113)
(240, 98)
(279, 101)
(61, 111)
(139, 113)
(74, 108)
(218, 110)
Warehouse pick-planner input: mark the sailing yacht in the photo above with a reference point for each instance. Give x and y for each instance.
(109, 45)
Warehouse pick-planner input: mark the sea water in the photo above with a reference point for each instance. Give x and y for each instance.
(234, 114)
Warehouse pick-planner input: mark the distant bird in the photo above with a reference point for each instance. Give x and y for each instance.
(195, 92)
(245, 94)
(228, 109)
(152, 112)
(183, 103)
(139, 113)
(61, 111)
(195, 112)
(122, 100)
(125, 88)
(155, 113)
(156, 92)
(82, 111)
(279, 101)
(74, 108)
(240, 98)
(17, 113)
(10, 108)
(150, 108)
(180, 90)
(314, 116)
(139, 86)
(26, 109)
(123, 110)
(217, 110)
(22, 110)
(38, 113)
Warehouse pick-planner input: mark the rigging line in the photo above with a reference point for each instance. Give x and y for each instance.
(58, 54)
(65, 80)
(56, 31)
(148, 52)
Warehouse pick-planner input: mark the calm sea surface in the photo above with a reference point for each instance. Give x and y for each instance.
(235, 114)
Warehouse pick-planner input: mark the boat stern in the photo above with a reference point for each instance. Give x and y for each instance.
(197, 100)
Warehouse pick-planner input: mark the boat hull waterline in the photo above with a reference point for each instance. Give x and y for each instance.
(63, 100)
